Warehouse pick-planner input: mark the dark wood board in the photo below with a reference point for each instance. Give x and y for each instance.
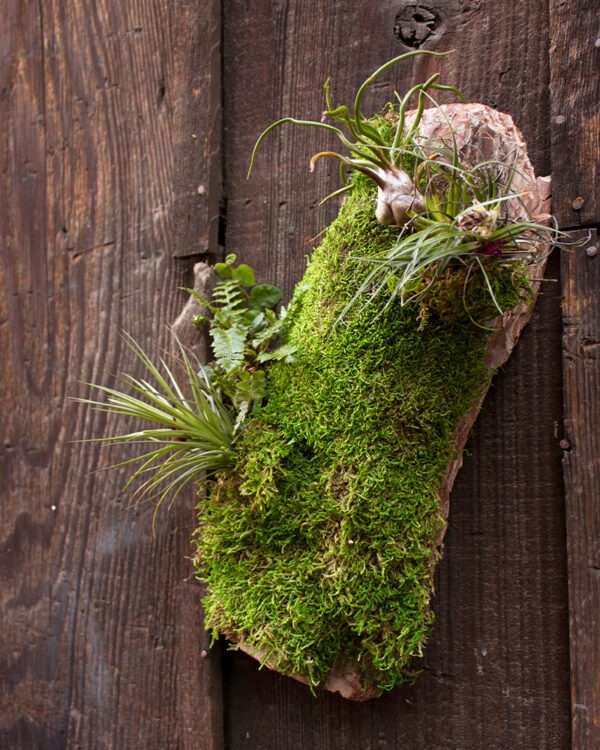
(581, 344)
(575, 122)
(102, 645)
(502, 584)
(496, 669)
(197, 189)
(114, 177)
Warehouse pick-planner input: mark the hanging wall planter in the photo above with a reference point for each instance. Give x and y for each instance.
(332, 430)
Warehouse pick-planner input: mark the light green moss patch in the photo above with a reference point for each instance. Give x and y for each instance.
(320, 546)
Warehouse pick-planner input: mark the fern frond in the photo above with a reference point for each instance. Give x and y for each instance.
(229, 345)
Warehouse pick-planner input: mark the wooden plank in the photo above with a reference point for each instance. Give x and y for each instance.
(575, 92)
(496, 669)
(102, 642)
(581, 343)
(575, 122)
(198, 175)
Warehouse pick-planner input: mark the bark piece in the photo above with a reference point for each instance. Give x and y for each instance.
(480, 134)
(184, 328)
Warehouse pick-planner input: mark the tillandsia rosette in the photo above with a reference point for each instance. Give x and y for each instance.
(329, 432)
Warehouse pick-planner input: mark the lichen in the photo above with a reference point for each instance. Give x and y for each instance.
(319, 548)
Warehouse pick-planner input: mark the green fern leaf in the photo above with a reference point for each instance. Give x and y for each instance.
(228, 347)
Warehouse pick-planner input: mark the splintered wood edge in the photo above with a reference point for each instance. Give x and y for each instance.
(478, 130)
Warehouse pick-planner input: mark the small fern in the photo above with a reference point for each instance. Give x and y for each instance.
(229, 345)
(245, 332)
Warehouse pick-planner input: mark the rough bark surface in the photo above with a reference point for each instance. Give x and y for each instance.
(484, 134)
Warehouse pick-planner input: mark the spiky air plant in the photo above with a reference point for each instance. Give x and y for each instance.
(188, 435)
(449, 212)
(466, 224)
(193, 425)
(368, 151)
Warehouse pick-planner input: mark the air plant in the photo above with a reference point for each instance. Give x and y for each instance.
(448, 212)
(466, 223)
(371, 152)
(188, 436)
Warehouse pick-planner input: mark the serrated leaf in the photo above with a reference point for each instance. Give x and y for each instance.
(228, 347)
(285, 352)
(243, 409)
(251, 387)
(198, 295)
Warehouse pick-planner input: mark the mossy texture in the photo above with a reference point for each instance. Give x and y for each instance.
(319, 547)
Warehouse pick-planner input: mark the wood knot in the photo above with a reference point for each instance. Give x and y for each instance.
(416, 23)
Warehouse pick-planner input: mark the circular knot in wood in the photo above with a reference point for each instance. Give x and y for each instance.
(416, 23)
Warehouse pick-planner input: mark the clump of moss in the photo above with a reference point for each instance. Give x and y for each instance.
(319, 547)
(451, 294)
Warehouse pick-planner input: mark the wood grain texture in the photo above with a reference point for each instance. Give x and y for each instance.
(496, 669)
(575, 86)
(581, 344)
(102, 642)
(197, 131)
(109, 128)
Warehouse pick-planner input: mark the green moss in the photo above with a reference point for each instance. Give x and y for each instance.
(320, 546)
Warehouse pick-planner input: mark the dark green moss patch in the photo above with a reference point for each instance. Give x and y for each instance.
(320, 546)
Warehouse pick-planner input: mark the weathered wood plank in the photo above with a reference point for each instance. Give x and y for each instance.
(102, 641)
(496, 670)
(496, 667)
(99, 103)
(575, 87)
(197, 174)
(581, 344)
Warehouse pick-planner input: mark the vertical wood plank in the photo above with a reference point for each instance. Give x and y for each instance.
(581, 344)
(102, 640)
(575, 86)
(496, 668)
(197, 130)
